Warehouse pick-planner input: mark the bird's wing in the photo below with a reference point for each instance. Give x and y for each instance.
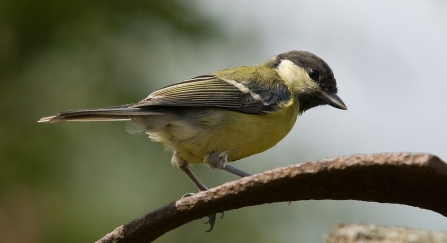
(211, 91)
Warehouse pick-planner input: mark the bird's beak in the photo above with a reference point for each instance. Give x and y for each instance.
(333, 100)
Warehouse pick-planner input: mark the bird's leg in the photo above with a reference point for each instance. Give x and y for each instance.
(235, 171)
(192, 177)
(219, 161)
(183, 166)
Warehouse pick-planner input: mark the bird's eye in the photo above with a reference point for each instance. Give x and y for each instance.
(313, 74)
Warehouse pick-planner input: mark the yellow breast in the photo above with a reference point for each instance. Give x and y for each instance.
(236, 134)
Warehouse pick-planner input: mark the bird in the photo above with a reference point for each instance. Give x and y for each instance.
(228, 115)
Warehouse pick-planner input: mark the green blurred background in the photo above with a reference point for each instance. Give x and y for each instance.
(75, 182)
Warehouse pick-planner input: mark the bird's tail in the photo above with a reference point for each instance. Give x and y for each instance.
(116, 113)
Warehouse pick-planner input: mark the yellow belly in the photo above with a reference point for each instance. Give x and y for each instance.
(236, 134)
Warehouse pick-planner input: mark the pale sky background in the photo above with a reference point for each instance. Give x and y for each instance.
(389, 58)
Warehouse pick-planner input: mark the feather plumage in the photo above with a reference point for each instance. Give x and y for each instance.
(213, 92)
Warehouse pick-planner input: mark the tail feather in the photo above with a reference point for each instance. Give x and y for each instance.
(117, 113)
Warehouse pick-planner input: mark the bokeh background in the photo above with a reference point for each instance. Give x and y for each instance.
(75, 182)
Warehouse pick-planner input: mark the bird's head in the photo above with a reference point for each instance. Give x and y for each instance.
(309, 78)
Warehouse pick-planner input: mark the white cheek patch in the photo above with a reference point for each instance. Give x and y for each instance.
(240, 86)
(289, 71)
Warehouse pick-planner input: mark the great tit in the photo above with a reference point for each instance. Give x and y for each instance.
(228, 115)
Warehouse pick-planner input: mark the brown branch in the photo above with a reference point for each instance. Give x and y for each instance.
(418, 180)
(362, 233)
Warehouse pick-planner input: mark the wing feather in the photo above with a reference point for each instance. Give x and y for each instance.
(213, 92)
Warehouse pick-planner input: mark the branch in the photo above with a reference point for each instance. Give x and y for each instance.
(403, 178)
(362, 233)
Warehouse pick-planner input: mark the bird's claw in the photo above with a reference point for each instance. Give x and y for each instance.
(212, 221)
(187, 195)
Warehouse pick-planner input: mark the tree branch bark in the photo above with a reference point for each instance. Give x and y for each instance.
(415, 179)
(362, 233)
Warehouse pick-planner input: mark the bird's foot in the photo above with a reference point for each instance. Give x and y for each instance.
(211, 219)
(187, 195)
